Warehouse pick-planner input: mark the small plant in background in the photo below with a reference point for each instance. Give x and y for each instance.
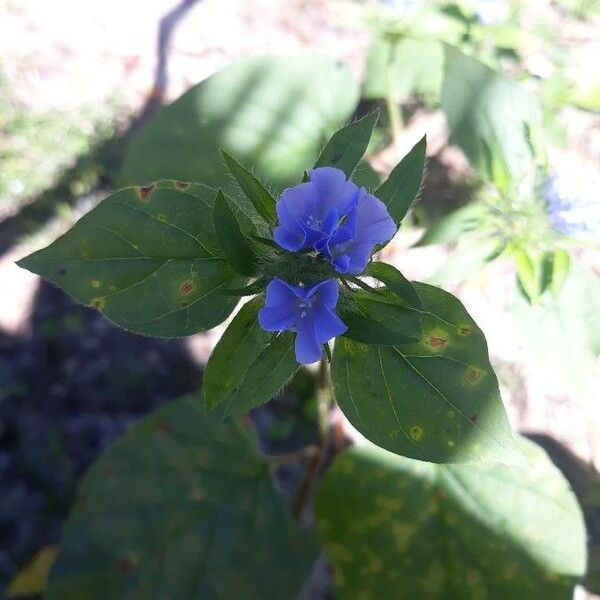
(438, 500)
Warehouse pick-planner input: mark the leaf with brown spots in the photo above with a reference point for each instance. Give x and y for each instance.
(415, 398)
(148, 258)
(398, 529)
(182, 506)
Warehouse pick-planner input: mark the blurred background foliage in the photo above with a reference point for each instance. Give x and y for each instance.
(508, 93)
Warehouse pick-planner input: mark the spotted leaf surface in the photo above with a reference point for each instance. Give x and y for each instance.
(400, 529)
(148, 259)
(248, 365)
(434, 399)
(182, 506)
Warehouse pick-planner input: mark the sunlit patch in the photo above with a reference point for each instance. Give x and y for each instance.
(95, 283)
(186, 287)
(98, 303)
(145, 191)
(416, 432)
(181, 185)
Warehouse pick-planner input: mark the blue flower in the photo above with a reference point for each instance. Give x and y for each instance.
(309, 311)
(572, 203)
(334, 216)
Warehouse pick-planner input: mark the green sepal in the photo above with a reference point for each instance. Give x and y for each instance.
(248, 365)
(395, 281)
(256, 287)
(232, 241)
(401, 188)
(347, 146)
(252, 187)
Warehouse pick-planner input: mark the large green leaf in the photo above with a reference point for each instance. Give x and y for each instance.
(181, 506)
(248, 366)
(271, 112)
(399, 67)
(147, 258)
(401, 188)
(347, 146)
(493, 119)
(400, 529)
(436, 399)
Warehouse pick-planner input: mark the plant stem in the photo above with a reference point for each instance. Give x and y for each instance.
(393, 110)
(324, 398)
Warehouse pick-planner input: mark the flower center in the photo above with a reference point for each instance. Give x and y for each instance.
(305, 306)
(314, 223)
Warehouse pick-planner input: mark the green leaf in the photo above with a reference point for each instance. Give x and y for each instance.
(401, 67)
(450, 228)
(271, 112)
(366, 176)
(235, 247)
(435, 399)
(395, 281)
(493, 119)
(182, 506)
(401, 188)
(347, 146)
(398, 528)
(379, 319)
(255, 191)
(555, 270)
(248, 365)
(527, 274)
(147, 258)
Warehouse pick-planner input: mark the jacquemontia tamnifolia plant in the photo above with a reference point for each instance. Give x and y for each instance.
(183, 506)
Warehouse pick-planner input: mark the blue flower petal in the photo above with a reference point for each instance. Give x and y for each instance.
(328, 325)
(372, 225)
(310, 311)
(327, 292)
(308, 348)
(333, 191)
